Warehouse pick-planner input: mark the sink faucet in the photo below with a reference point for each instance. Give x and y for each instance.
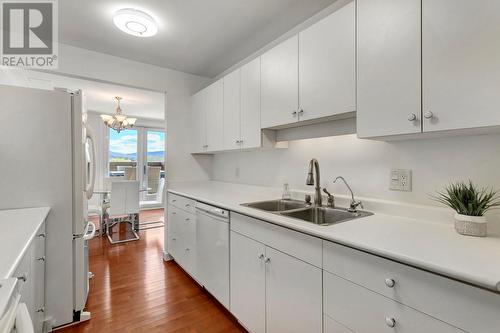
(354, 204)
(314, 164)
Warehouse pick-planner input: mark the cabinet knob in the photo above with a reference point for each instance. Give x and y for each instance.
(301, 112)
(42, 309)
(173, 213)
(41, 258)
(187, 205)
(267, 260)
(391, 322)
(428, 115)
(187, 248)
(174, 239)
(205, 146)
(187, 219)
(390, 283)
(42, 235)
(412, 117)
(23, 278)
(261, 256)
(294, 113)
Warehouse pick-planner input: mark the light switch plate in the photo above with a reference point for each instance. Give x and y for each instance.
(400, 180)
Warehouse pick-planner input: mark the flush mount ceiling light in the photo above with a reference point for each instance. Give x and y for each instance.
(135, 22)
(118, 121)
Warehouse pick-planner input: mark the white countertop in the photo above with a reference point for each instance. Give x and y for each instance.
(432, 246)
(19, 227)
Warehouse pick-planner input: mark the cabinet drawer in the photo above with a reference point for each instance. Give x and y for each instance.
(296, 244)
(332, 326)
(364, 311)
(182, 202)
(454, 302)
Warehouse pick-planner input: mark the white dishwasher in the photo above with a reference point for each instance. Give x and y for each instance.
(212, 232)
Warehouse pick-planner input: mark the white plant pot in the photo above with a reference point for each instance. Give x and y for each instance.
(471, 225)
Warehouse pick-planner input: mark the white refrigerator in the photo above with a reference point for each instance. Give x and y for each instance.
(47, 159)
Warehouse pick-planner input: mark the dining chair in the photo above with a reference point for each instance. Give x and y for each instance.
(130, 173)
(153, 178)
(123, 208)
(159, 199)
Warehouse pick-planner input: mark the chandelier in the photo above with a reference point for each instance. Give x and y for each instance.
(118, 121)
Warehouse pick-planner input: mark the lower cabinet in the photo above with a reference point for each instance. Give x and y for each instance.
(352, 308)
(272, 291)
(181, 242)
(31, 274)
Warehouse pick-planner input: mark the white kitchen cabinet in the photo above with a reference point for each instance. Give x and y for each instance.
(31, 274)
(327, 79)
(293, 294)
(251, 136)
(215, 116)
(232, 124)
(364, 311)
(461, 64)
(262, 278)
(181, 235)
(280, 84)
(389, 67)
(199, 121)
(248, 282)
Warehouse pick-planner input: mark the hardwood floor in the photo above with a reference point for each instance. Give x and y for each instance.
(134, 290)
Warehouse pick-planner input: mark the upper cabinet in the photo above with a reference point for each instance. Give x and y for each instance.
(251, 136)
(311, 75)
(461, 64)
(388, 60)
(327, 82)
(199, 121)
(214, 103)
(280, 84)
(427, 66)
(232, 132)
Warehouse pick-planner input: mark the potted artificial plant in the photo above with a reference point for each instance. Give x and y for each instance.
(470, 205)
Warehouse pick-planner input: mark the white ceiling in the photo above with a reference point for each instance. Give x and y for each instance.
(100, 96)
(202, 37)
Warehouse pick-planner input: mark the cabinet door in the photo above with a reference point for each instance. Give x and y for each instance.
(280, 85)
(247, 282)
(215, 116)
(327, 66)
(293, 294)
(199, 121)
(173, 228)
(388, 67)
(250, 105)
(38, 277)
(232, 133)
(461, 63)
(332, 326)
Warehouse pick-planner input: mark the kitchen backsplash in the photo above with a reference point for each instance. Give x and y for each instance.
(366, 164)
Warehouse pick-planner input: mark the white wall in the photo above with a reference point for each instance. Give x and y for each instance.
(366, 164)
(178, 86)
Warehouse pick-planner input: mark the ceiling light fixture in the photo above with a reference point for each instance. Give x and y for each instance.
(118, 121)
(135, 22)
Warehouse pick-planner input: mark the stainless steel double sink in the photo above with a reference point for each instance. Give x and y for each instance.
(303, 211)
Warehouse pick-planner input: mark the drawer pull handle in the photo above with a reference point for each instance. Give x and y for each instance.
(261, 256)
(23, 278)
(390, 283)
(42, 235)
(391, 322)
(41, 258)
(42, 309)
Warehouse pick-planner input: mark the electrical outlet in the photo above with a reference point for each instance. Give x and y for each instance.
(400, 180)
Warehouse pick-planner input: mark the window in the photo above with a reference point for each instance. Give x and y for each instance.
(155, 159)
(123, 154)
